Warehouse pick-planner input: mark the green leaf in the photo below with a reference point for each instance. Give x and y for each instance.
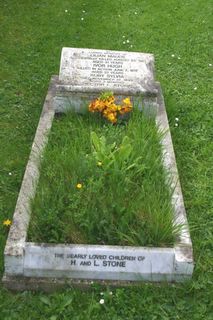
(45, 300)
(125, 150)
(66, 303)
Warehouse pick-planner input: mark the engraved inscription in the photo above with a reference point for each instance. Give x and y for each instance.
(95, 260)
(106, 69)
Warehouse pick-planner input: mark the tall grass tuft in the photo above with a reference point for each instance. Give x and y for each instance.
(103, 184)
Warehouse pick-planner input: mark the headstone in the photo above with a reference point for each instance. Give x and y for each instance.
(106, 70)
(84, 73)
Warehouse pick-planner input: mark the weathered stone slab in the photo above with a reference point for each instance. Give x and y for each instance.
(98, 262)
(14, 249)
(84, 73)
(91, 70)
(78, 102)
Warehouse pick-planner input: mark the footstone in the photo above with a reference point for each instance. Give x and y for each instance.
(101, 262)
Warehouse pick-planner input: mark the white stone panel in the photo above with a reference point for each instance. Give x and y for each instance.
(97, 262)
(83, 69)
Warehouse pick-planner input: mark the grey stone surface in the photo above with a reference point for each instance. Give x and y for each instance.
(84, 73)
(169, 162)
(91, 70)
(98, 262)
(16, 283)
(14, 249)
(79, 101)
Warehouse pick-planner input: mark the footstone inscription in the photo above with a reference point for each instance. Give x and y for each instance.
(98, 260)
(107, 70)
(93, 261)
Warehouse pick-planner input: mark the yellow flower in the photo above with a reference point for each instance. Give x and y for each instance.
(92, 106)
(7, 222)
(99, 163)
(111, 117)
(79, 186)
(126, 101)
(111, 99)
(113, 107)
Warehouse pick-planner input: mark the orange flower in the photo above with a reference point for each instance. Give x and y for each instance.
(105, 104)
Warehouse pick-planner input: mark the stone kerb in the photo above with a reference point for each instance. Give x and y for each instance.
(183, 246)
(33, 265)
(15, 246)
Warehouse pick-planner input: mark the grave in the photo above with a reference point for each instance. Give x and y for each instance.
(83, 74)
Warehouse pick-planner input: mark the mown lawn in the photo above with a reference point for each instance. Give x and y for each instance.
(178, 33)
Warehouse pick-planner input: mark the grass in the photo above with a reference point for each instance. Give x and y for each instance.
(103, 184)
(32, 35)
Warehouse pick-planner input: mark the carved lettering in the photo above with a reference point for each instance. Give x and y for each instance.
(108, 69)
(95, 261)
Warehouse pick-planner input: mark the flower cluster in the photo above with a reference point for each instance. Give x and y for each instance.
(105, 105)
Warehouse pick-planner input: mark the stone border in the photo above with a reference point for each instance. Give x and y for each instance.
(183, 247)
(19, 272)
(14, 249)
